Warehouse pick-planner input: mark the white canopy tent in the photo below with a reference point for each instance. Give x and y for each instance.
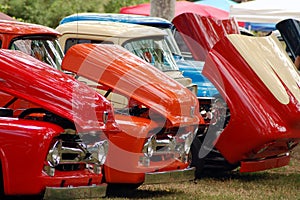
(265, 11)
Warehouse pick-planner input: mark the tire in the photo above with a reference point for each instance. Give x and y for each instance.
(197, 162)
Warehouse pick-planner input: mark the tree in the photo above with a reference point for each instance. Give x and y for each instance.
(48, 12)
(114, 6)
(163, 8)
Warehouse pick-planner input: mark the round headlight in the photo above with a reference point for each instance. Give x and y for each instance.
(149, 146)
(100, 151)
(172, 144)
(188, 142)
(54, 155)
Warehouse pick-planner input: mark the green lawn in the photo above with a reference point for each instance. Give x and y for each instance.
(282, 183)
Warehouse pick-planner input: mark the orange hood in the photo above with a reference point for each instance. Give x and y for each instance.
(122, 71)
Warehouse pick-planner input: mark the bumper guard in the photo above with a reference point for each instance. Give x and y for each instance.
(187, 174)
(81, 192)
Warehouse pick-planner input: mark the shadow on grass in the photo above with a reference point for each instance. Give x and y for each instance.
(252, 176)
(128, 194)
(22, 198)
(141, 194)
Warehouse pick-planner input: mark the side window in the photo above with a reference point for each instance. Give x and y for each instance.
(0, 43)
(22, 45)
(46, 50)
(72, 41)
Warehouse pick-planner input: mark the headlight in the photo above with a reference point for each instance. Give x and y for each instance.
(188, 139)
(54, 154)
(150, 146)
(99, 151)
(172, 144)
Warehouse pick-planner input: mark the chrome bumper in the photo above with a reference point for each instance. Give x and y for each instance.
(170, 176)
(82, 192)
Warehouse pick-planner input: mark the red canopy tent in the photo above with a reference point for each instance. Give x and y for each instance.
(180, 7)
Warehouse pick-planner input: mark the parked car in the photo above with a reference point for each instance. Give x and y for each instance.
(129, 162)
(146, 42)
(259, 94)
(42, 152)
(191, 69)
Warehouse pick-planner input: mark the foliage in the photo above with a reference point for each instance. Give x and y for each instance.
(113, 6)
(4, 8)
(48, 12)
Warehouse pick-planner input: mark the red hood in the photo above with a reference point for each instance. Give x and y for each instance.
(261, 87)
(201, 33)
(117, 68)
(27, 78)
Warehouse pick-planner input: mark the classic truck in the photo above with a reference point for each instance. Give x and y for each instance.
(44, 114)
(133, 157)
(157, 115)
(259, 95)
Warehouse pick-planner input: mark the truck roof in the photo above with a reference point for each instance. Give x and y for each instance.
(124, 18)
(110, 29)
(22, 28)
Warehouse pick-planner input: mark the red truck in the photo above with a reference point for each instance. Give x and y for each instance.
(40, 149)
(259, 95)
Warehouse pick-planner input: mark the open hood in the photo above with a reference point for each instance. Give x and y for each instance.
(115, 67)
(201, 33)
(261, 87)
(27, 78)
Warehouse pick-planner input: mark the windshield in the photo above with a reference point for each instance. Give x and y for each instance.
(172, 42)
(154, 51)
(45, 49)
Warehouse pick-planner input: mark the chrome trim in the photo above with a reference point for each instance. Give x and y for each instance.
(82, 192)
(174, 176)
(74, 153)
(206, 98)
(105, 117)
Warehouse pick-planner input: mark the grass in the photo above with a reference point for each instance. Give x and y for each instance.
(281, 183)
